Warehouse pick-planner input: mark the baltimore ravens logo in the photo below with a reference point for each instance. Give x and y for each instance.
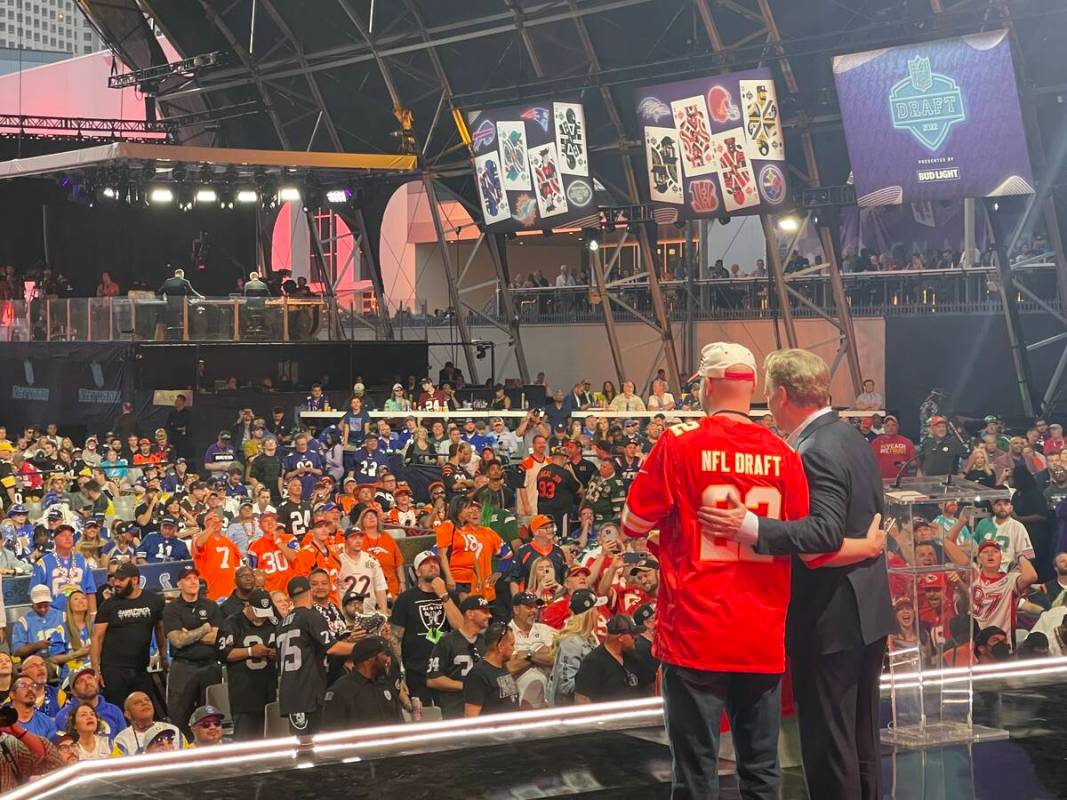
(653, 109)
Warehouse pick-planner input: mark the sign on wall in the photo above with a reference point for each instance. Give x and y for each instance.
(531, 166)
(934, 121)
(714, 145)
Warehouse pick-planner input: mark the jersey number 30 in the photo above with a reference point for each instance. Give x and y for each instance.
(763, 500)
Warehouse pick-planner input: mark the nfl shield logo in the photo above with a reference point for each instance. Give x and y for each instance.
(926, 104)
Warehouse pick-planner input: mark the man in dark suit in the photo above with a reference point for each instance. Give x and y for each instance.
(255, 286)
(839, 617)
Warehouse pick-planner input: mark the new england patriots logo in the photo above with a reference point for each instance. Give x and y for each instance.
(653, 109)
(538, 115)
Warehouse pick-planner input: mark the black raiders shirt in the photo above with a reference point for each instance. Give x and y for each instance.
(422, 616)
(295, 518)
(253, 682)
(303, 639)
(492, 688)
(454, 656)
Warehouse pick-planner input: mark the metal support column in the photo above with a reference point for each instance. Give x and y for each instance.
(507, 306)
(357, 221)
(318, 259)
(841, 306)
(774, 263)
(1016, 338)
(597, 268)
(451, 277)
(665, 330)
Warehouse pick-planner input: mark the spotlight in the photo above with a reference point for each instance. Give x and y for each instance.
(591, 237)
(288, 193)
(789, 224)
(206, 196)
(724, 219)
(247, 196)
(339, 196)
(109, 192)
(161, 195)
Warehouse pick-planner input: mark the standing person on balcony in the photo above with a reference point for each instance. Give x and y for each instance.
(256, 286)
(628, 400)
(107, 287)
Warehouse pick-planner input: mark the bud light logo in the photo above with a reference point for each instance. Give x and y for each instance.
(926, 104)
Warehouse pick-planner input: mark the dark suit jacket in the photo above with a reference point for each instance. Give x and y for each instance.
(833, 609)
(256, 288)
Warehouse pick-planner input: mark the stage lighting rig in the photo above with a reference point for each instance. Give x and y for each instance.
(151, 76)
(789, 224)
(591, 236)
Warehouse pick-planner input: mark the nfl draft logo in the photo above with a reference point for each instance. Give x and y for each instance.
(926, 104)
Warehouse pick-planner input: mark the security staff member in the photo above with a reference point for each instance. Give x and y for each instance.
(191, 623)
(363, 697)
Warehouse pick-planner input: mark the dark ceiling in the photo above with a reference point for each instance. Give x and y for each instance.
(324, 80)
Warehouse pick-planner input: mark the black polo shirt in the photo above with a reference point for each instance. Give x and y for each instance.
(355, 701)
(601, 678)
(180, 614)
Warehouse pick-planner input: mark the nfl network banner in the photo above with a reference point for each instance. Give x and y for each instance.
(157, 577)
(934, 121)
(531, 165)
(714, 145)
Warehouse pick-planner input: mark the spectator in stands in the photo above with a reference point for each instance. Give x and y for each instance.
(26, 756)
(215, 556)
(24, 700)
(122, 631)
(191, 623)
(530, 467)
(164, 546)
(41, 629)
(542, 545)
(430, 397)
(455, 654)
(660, 399)
(245, 644)
(265, 470)
(396, 400)
(143, 728)
(1055, 442)
(369, 461)
(245, 527)
(940, 452)
(362, 697)
(577, 639)
(627, 401)
(206, 726)
(89, 733)
(489, 687)
(48, 698)
(891, 450)
(382, 547)
(531, 661)
(354, 422)
(303, 464)
(612, 671)
(220, 455)
(85, 690)
(63, 567)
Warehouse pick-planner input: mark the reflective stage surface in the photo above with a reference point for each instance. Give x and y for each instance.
(603, 758)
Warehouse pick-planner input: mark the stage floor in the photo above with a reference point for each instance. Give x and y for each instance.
(631, 764)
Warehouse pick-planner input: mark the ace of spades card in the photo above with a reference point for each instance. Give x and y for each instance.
(664, 165)
(548, 183)
(570, 138)
(694, 135)
(763, 126)
(735, 172)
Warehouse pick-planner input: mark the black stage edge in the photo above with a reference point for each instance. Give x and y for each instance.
(619, 764)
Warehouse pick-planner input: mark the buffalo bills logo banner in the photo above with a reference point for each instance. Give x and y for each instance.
(531, 166)
(714, 145)
(934, 121)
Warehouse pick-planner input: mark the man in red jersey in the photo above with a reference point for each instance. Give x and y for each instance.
(721, 608)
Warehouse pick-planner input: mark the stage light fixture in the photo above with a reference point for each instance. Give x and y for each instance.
(592, 239)
(288, 194)
(339, 196)
(206, 195)
(789, 224)
(161, 195)
(110, 193)
(247, 196)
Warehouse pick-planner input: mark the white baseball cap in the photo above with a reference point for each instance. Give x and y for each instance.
(717, 358)
(425, 554)
(40, 594)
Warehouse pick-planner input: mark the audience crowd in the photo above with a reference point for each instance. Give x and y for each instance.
(374, 571)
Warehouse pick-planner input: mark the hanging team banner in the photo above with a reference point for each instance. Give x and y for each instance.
(934, 121)
(714, 145)
(531, 165)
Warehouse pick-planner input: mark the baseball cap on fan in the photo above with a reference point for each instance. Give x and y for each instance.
(717, 358)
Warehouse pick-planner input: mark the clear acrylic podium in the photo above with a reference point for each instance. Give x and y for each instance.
(929, 658)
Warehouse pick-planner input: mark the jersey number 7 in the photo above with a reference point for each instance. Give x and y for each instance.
(765, 499)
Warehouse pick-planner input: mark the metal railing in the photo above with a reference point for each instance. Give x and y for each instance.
(150, 318)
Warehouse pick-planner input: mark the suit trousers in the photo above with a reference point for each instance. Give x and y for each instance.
(837, 710)
(693, 702)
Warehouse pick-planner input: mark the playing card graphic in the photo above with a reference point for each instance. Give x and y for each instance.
(664, 169)
(548, 185)
(491, 189)
(735, 173)
(513, 167)
(763, 127)
(694, 135)
(525, 210)
(570, 138)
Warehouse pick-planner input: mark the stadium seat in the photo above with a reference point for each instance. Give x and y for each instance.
(218, 695)
(274, 724)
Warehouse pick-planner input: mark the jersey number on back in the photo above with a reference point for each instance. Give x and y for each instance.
(765, 499)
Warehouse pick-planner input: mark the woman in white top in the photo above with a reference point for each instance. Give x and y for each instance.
(660, 399)
(83, 725)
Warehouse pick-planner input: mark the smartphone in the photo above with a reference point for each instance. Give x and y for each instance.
(631, 558)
